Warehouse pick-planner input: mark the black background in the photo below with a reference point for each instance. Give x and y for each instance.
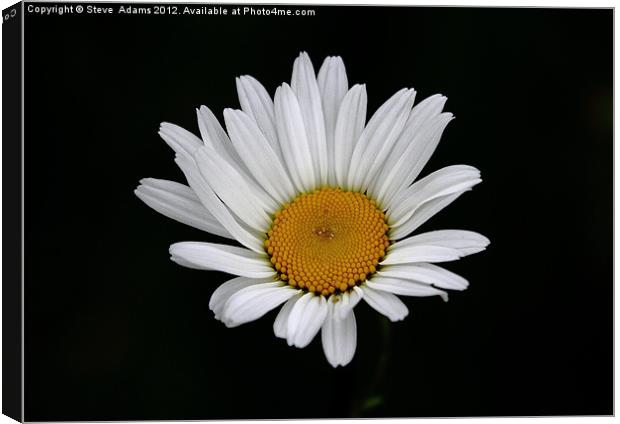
(114, 330)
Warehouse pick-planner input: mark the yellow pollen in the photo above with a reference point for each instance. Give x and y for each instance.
(327, 241)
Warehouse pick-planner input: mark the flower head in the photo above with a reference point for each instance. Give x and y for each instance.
(322, 202)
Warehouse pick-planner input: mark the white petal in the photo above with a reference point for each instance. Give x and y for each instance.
(219, 146)
(423, 214)
(280, 325)
(215, 138)
(427, 108)
(466, 242)
(414, 206)
(423, 146)
(213, 204)
(339, 336)
(255, 101)
(232, 188)
(348, 301)
(258, 156)
(221, 295)
(306, 319)
(401, 170)
(385, 303)
(378, 139)
(305, 86)
(251, 303)
(405, 287)
(427, 274)
(421, 114)
(410, 254)
(230, 259)
(446, 181)
(329, 339)
(295, 314)
(296, 148)
(349, 127)
(183, 142)
(347, 328)
(179, 202)
(185, 264)
(333, 85)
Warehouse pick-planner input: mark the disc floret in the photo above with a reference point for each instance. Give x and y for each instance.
(328, 240)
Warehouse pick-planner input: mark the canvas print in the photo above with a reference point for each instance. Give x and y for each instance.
(306, 211)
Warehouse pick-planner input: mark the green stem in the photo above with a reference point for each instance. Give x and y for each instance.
(371, 390)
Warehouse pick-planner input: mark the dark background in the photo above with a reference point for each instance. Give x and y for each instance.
(115, 330)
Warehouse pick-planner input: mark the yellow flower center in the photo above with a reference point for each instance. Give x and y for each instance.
(328, 240)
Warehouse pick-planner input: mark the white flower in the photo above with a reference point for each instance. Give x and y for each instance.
(322, 202)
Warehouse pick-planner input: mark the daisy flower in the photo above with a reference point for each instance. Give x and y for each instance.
(322, 202)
